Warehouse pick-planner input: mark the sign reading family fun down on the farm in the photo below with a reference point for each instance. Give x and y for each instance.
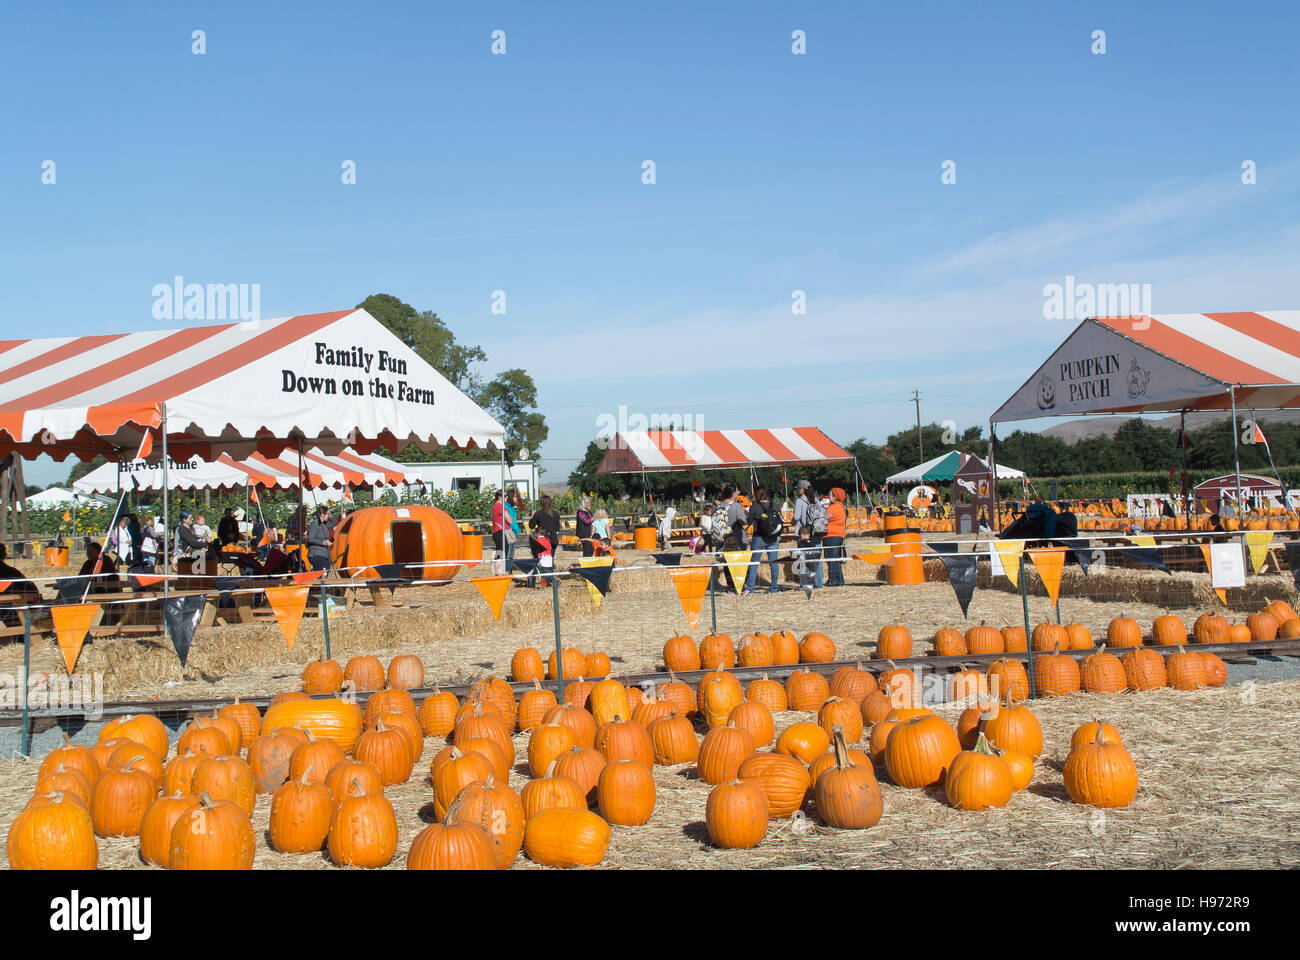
(1097, 370)
(382, 376)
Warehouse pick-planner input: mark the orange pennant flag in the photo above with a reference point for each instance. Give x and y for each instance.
(288, 604)
(308, 577)
(148, 579)
(71, 624)
(252, 495)
(66, 516)
(493, 590)
(5, 584)
(692, 584)
(1222, 592)
(1048, 561)
(265, 541)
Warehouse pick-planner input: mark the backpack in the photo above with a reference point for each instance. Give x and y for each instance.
(768, 522)
(816, 518)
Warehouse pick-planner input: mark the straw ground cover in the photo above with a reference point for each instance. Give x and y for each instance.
(1219, 787)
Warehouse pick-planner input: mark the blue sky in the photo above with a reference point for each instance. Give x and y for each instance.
(774, 173)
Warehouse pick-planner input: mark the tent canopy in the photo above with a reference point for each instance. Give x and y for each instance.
(1170, 362)
(943, 467)
(633, 451)
(345, 469)
(332, 379)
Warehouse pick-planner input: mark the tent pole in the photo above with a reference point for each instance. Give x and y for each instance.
(1182, 439)
(1236, 463)
(993, 469)
(167, 523)
(302, 508)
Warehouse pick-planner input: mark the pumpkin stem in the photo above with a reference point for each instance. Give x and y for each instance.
(842, 760)
(1101, 649)
(305, 774)
(1097, 738)
(206, 799)
(550, 771)
(983, 746)
(60, 768)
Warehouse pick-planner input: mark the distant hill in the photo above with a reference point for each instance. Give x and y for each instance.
(1077, 430)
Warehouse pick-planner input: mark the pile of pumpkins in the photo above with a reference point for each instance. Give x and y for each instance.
(1141, 667)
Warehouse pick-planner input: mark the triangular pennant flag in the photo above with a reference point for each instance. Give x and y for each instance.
(390, 571)
(1143, 541)
(71, 624)
(667, 559)
(66, 516)
(738, 563)
(1258, 542)
(308, 576)
(1009, 555)
(691, 584)
(1149, 556)
(1048, 561)
(528, 565)
(252, 495)
(266, 539)
(147, 579)
(995, 561)
(493, 590)
(1080, 551)
(597, 573)
(963, 569)
(943, 546)
(288, 604)
(5, 584)
(875, 555)
(181, 616)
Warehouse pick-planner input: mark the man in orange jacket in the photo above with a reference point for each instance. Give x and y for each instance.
(833, 543)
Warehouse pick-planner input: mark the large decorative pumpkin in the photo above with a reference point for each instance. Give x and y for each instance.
(718, 694)
(1007, 678)
(1263, 626)
(1014, 727)
(755, 650)
(717, 650)
(1123, 632)
(73, 757)
(495, 809)
(722, 752)
(1186, 671)
(322, 676)
(985, 639)
(784, 780)
(1168, 630)
(894, 642)
(625, 793)
(853, 683)
(806, 691)
(768, 692)
(680, 653)
(950, 643)
(785, 648)
(156, 828)
(451, 846)
(816, 648)
(424, 537)
(121, 798)
(673, 737)
(301, 810)
(268, 758)
(1208, 628)
(363, 831)
(806, 741)
(226, 778)
(144, 728)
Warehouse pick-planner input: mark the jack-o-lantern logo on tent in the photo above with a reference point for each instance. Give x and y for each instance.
(1138, 378)
(1046, 393)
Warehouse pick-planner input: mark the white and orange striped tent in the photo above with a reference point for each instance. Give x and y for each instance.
(1168, 362)
(635, 451)
(345, 469)
(331, 380)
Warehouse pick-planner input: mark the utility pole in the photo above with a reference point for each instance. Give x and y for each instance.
(916, 398)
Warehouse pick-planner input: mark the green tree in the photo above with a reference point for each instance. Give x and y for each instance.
(938, 439)
(83, 467)
(426, 334)
(511, 396)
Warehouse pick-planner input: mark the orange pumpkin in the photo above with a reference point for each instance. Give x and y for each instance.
(423, 536)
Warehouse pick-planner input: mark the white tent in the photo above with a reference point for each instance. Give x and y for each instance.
(942, 468)
(329, 380)
(344, 469)
(59, 497)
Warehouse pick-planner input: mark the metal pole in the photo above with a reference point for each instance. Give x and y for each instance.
(25, 747)
(167, 523)
(1236, 464)
(302, 512)
(559, 651)
(1182, 440)
(713, 598)
(324, 617)
(993, 469)
(1029, 647)
(920, 445)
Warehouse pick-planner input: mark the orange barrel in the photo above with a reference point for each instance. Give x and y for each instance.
(471, 546)
(906, 568)
(645, 538)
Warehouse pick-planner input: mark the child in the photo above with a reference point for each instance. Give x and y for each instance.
(801, 566)
(600, 526)
(706, 528)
